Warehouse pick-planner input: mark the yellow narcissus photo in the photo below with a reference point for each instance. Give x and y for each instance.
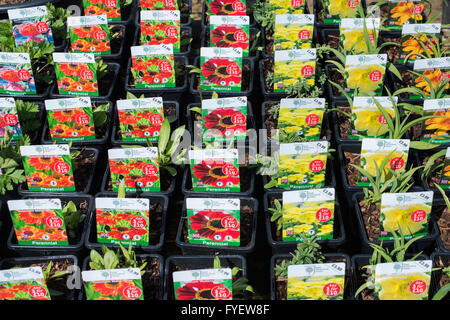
(354, 39)
(398, 288)
(366, 78)
(372, 121)
(405, 11)
(343, 8)
(399, 219)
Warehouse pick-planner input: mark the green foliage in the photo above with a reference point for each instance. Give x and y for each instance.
(28, 113)
(308, 251)
(431, 165)
(442, 292)
(58, 18)
(301, 89)
(101, 67)
(11, 162)
(277, 214)
(264, 15)
(101, 115)
(55, 276)
(239, 285)
(111, 259)
(73, 219)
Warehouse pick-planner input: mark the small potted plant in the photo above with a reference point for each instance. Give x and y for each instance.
(440, 278)
(58, 270)
(151, 266)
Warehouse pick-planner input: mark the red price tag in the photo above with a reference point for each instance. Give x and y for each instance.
(138, 222)
(110, 3)
(304, 35)
(99, 35)
(312, 119)
(238, 6)
(331, 289)
(10, 119)
(240, 35)
(23, 74)
(296, 3)
(417, 287)
(418, 215)
(86, 75)
(352, 3)
(238, 118)
(416, 9)
(82, 119)
(37, 291)
(53, 222)
(307, 71)
(397, 163)
(150, 169)
(323, 214)
(381, 119)
(42, 27)
(230, 170)
(220, 292)
(164, 66)
(444, 76)
(233, 69)
(171, 31)
(61, 167)
(131, 292)
(316, 165)
(230, 222)
(169, 3)
(156, 119)
(375, 75)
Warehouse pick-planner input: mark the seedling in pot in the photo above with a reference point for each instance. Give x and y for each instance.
(111, 259)
(57, 276)
(73, 218)
(240, 285)
(442, 292)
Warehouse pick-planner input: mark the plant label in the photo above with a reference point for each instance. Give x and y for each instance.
(293, 31)
(414, 36)
(89, 34)
(159, 4)
(16, 74)
(23, 284)
(98, 7)
(9, 119)
(230, 32)
(351, 31)
(364, 74)
(436, 130)
(161, 27)
(335, 10)
(227, 7)
(288, 6)
(401, 12)
(444, 182)
(436, 71)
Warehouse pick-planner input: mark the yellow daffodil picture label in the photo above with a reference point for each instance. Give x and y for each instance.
(352, 33)
(402, 12)
(364, 74)
(323, 281)
(288, 6)
(436, 130)
(435, 70)
(445, 175)
(291, 66)
(303, 116)
(302, 165)
(405, 213)
(412, 33)
(373, 153)
(367, 120)
(308, 213)
(334, 10)
(409, 280)
(293, 31)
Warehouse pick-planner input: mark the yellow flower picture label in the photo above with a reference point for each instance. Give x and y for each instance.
(405, 213)
(335, 10)
(323, 281)
(364, 74)
(409, 280)
(412, 35)
(367, 120)
(375, 151)
(436, 130)
(402, 12)
(303, 116)
(302, 165)
(293, 65)
(293, 31)
(308, 213)
(351, 32)
(435, 71)
(288, 6)
(444, 183)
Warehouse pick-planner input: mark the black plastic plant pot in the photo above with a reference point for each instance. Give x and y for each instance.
(269, 123)
(330, 179)
(407, 81)
(319, 18)
(184, 263)
(254, 42)
(33, 134)
(248, 75)
(171, 111)
(274, 236)
(360, 274)
(268, 92)
(278, 289)
(87, 165)
(107, 85)
(173, 94)
(196, 130)
(247, 185)
(427, 183)
(424, 244)
(168, 183)
(59, 263)
(117, 45)
(43, 91)
(249, 215)
(185, 13)
(152, 280)
(186, 33)
(102, 133)
(440, 216)
(158, 216)
(84, 203)
(24, 4)
(205, 14)
(438, 278)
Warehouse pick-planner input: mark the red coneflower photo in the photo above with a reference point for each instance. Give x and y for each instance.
(222, 72)
(210, 224)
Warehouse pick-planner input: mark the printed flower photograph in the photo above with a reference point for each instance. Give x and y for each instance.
(68, 124)
(139, 175)
(216, 173)
(404, 287)
(301, 171)
(367, 80)
(76, 78)
(211, 225)
(153, 33)
(221, 72)
(227, 7)
(306, 123)
(316, 289)
(98, 7)
(406, 11)
(114, 290)
(224, 124)
(435, 76)
(35, 30)
(408, 220)
(153, 72)
(159, 4)
(293, 36)
(201, 290)
(138, 124)
(230, 36)
(93, 39)
(17, 78)
(288, 73)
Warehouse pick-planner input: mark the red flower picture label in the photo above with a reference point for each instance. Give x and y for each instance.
(397, 163)
(220, 292)
(233, 69)
(230, 222)
(307, 71)
(138, 222)
(352, 3)
(418, 215)
(149, 169)
(230, 170)
(37, 292)
(61, 167)
(82, 119)
(316, 165)
(10, 119)
(323, 214)
(375, 75)
(296, 3)
(131, 292)
(164, 65)
(331, 289)
(312, 119)
(417, 287)
(99, 35)
(53, 222)
(23, 74)
(304, 35)
(42, 27)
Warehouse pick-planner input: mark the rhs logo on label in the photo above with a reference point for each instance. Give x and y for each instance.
(37, 292)
(220, 292)
(331, 289)
(417, 287)
(418, 215)
(316, 165)
(323, 214)
(131, 292)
